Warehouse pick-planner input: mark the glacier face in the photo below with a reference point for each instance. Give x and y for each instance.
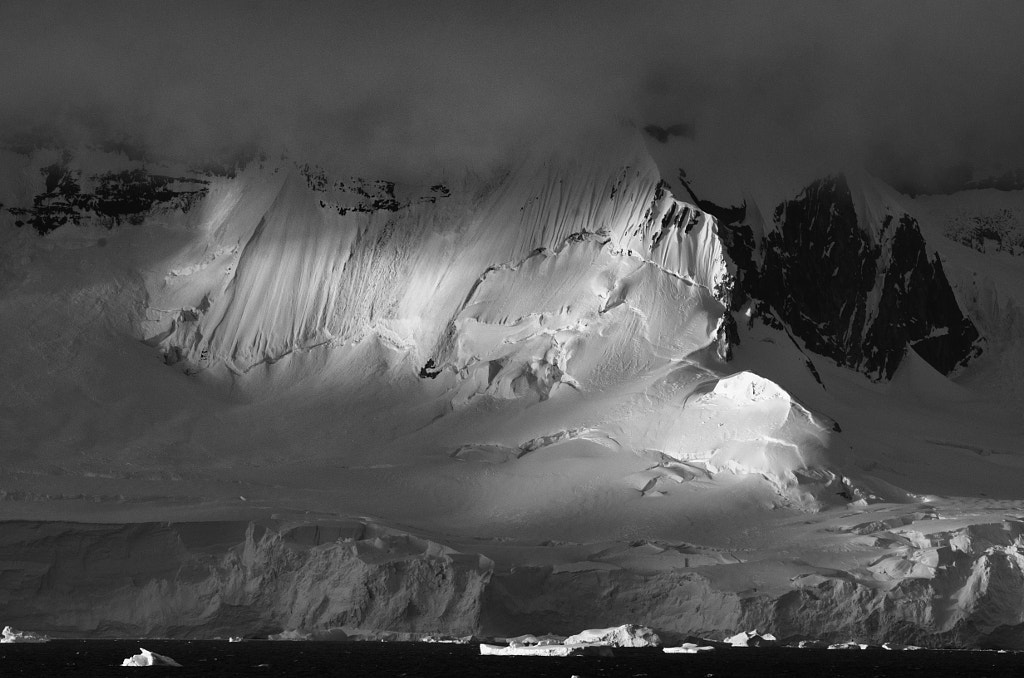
(944, 586)
(229, 578)
(557, 397)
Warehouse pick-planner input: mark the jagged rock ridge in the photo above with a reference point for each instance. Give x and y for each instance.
(128, 195)
(860, 293)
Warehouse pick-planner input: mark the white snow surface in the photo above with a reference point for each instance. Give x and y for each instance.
(577, 453)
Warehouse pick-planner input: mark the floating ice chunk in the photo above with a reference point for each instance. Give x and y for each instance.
(899, 646)
(147, 658)
(592, 642)
(687, 648)
(530, 639)
(444, 640)
(546, 650)
(848, 646)
(627, 635)
(751, 639)
(812, 645)
(525, 650)
(14, 636)
(290, 634)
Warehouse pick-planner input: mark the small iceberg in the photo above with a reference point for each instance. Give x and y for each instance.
(530, 639)
(290, 634)
(812, 645)
(900, 647)
(751, 639)
(849, 645)
(546, 650)
(687, 648)
(592, 642)
(14, 636)
(627, 635)
(147, 658)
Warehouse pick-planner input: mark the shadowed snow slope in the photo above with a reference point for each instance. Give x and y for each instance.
(549, 398)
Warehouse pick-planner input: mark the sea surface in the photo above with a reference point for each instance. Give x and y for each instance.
(269, 658)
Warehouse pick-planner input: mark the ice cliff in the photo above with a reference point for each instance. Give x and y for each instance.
(951, 585)
(225, 578)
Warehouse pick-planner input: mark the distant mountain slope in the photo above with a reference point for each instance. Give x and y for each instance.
(562, 381)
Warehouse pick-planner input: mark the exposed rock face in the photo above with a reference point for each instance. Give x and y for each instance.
(109, 197)
(856, 291)
(917, 309)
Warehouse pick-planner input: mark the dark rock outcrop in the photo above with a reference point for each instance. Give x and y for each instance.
(116, 197)
(858, 293)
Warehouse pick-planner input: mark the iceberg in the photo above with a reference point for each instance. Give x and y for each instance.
(290, 634)
(751, 639)
(687, 648)
(11, 635)
(591, 642)
(546, 650)
(147, 658)
(626, 635)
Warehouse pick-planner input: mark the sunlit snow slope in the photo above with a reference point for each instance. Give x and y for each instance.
(551, 397)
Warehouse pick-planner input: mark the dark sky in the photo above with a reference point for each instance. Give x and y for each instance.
(414, 86)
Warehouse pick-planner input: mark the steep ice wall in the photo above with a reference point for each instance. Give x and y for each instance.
(220, 579)
(300, 267)
(577, 313)
(679, 238)
(313, 270)
(569, 272)
(918, 581)
(952, 586)
(280, 296)
(579, 274)
(936, 584)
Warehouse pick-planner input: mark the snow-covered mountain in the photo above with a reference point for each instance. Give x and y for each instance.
(570, 392)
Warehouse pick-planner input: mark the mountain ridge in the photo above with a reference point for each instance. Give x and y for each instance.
(613, 369)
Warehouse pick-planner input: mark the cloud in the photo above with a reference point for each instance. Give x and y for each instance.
(415, 87)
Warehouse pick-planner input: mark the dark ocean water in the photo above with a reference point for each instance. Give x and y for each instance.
(265, 658)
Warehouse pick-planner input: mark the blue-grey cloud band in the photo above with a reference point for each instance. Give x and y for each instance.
(413, 86)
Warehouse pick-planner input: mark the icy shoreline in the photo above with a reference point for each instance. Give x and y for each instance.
(276, 575)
